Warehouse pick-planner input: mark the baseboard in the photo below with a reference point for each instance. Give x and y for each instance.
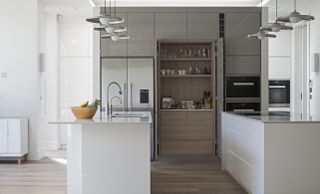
(36, 154)
(52, 145)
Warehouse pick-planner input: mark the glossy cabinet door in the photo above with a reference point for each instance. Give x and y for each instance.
(202, 26)
(141, 31)
(171, 26)
(115, 48)
(237, 28)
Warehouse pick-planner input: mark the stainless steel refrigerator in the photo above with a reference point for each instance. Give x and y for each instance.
(136, 78)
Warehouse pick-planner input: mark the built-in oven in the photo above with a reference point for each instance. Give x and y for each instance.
(239, 87)
(279, 93)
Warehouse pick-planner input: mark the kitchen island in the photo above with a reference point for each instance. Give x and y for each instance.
(272, 153)
(109, 154)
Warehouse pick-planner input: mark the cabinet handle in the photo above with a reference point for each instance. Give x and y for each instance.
(243, 84)
(277, 87)
(131, 86)
(243, 110)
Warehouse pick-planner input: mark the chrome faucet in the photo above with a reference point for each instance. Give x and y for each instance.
(114, 97)
(108, 99)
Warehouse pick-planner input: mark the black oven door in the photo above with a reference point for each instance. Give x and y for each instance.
(279, 93)
(243, 87)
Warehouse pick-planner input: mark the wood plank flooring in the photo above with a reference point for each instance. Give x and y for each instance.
(187, 175)
(33, 177)
(169, 176)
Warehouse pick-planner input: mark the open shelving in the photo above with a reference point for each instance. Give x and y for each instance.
(179, 127)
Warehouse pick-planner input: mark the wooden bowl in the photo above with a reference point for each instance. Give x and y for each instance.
(84, 112)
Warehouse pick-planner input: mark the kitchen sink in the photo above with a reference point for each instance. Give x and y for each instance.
(128, 115)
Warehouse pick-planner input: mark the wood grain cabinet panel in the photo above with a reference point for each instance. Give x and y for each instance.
(173, 118)
(182, 132)
(237, 28)
(171, 26)
(186, 147)
(202, 26)
(141, 31)
(200, 118)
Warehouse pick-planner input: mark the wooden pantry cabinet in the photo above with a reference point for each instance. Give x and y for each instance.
(186, 70)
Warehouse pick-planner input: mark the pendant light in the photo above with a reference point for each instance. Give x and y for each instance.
(110, 29)
(108, 24)
(295, 16)
(105, 18)
(115, 36)
(276, 26)
(262, 33)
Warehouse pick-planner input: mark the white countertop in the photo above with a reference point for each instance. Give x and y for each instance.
(279, 117)
(101, 118)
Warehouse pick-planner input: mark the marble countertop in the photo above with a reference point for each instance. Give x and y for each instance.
(101, 118)
(278, 117)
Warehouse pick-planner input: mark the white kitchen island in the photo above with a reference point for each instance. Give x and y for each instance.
(272, 153)
(109, 155)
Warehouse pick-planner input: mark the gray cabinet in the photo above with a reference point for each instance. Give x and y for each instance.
(237, 27)
(141, 31)
(202, 26)
(171, 25)
(118, 48)
(243, 65)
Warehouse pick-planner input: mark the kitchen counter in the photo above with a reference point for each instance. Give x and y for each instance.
(109, 154)
(278, 117)
(101, 118)
(272, 152)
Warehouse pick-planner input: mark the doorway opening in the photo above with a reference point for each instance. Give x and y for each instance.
(300, 70)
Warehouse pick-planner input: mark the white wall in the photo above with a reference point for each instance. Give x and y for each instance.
(51, 81)
(314, 48)
(280, 56)
(19, 91)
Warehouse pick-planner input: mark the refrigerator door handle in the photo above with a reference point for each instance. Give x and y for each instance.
(125, 95)
(131, 86)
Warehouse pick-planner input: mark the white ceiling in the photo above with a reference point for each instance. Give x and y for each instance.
(285, 6)
(84, 6)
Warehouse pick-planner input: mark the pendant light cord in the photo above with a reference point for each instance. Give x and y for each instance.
(276, 9)
(105, 6)
(115, 8)
(295, 5)
(110, 7)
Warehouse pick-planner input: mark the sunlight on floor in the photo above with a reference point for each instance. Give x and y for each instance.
(60, 160)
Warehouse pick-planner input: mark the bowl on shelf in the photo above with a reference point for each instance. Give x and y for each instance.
(84, 112)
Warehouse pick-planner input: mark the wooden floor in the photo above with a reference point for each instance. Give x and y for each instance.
(41, 177)
(169, 176)
(187, 175)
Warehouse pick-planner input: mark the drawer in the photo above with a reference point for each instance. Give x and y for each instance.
(243, 107)
(203, 118)
(243, 87)
(186, 147)
(173, 117)
(181, 132)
